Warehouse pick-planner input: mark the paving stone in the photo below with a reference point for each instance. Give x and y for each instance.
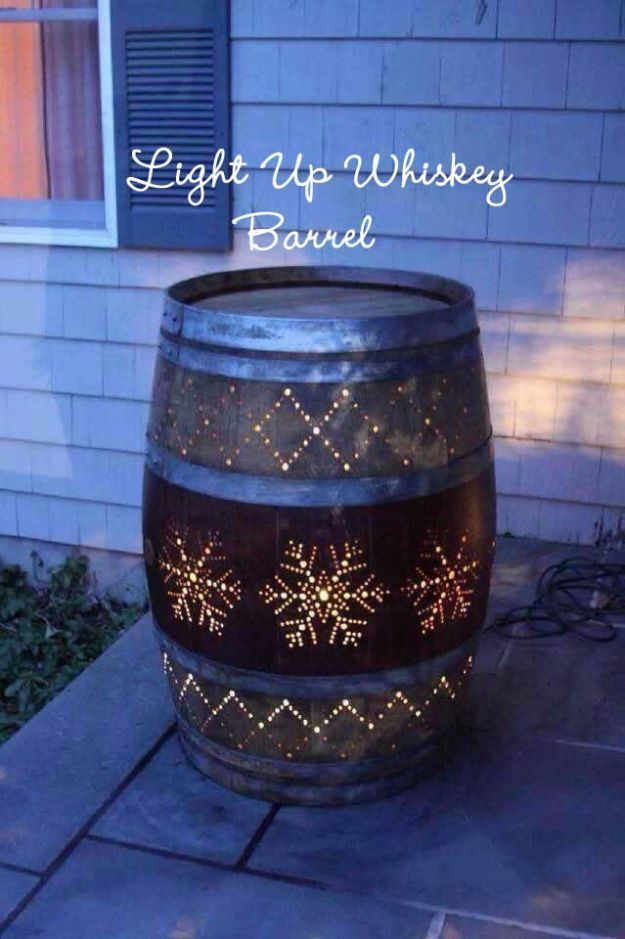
(545, 554)
(512, 557)
(62, 766)
(460, 927)
(171, 805)
(529, 831)
(490, 651)
(516, 561)
(506, 596)
(562, 687)
(519, 563)
(107, 892)
(522, 560)
(13, 887)
(485, 681)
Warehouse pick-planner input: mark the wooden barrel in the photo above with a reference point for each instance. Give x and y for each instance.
(319, 515)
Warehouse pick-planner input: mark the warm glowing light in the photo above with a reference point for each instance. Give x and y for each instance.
(285, 726)
(313, 602)
(352, 444)
(201, 588)
(349, 430)
(442, 585)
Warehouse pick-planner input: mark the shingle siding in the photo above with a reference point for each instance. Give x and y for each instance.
(531, 86)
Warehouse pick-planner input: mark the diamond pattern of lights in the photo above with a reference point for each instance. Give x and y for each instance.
(309, 429)
(184, 431)
(286, 727)
(313, 602)
(200, 586)
(316, 430)
(320, 430)
(442, 585)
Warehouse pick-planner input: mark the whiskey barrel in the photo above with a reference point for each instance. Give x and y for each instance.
(319, 515)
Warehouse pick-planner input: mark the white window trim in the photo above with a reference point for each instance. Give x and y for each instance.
(86, 237)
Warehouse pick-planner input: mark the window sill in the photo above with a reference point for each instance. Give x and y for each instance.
(76, 237)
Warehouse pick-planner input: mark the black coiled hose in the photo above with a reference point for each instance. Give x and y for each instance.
(578, 595)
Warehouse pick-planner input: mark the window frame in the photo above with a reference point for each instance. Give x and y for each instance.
(107, 236)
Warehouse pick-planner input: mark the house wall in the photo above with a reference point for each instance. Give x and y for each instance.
(535, 86)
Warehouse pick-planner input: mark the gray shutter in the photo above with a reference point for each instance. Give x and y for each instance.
(171, 78)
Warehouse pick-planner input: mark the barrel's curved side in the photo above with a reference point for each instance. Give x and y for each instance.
(316, 741)
(312, 367)
(319, 517)
(252, 780)
(425, 415)
(271, 490)
(311, 590)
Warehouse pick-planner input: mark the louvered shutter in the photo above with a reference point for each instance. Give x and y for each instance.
(171, 89)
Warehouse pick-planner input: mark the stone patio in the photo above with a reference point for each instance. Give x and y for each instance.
(107, 833)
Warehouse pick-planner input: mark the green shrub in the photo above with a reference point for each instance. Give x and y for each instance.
(49, 633)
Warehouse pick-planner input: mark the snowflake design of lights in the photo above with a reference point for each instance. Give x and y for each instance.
(201, 588)
(312, 601)
(441, 589)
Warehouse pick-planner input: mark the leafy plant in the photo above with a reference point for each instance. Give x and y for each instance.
(49, 633)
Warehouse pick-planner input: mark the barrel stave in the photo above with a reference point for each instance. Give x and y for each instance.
(320, 430)
(390, 548)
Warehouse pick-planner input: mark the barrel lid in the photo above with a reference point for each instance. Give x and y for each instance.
(306, 301)
(312, 310)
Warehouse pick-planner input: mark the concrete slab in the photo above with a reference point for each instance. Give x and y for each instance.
(485, 680)
(171, 805)
(460, 927)
(61, 767)
(505, 596)
(563, 687)
(529, 831)
(519, 560)
(107, 892)
(13, 888)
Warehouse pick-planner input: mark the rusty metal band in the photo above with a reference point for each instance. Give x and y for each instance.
(255, 366)
(277, 491)
(322, 776)
(315, 687)
(276, 333)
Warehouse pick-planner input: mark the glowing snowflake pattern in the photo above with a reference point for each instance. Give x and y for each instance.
(202, 590)
(441, 589)
(312, 601)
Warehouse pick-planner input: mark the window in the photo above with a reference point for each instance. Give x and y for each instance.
(85, 82)
(56, 163)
